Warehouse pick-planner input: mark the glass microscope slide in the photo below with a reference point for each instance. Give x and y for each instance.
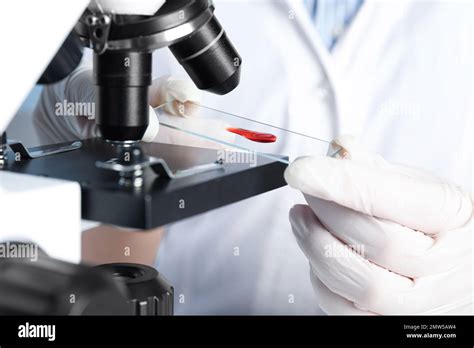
(234, 132)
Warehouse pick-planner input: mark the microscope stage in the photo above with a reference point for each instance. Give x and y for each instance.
(159, 200)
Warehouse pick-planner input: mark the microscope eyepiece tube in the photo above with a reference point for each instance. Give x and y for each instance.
(122, 80)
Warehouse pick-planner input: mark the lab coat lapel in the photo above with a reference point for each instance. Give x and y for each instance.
(338, 64)
(367, 37)
(298, 13)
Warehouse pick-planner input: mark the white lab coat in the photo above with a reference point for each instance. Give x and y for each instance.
(400, 77)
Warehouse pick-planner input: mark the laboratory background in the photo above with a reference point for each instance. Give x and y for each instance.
(370, 213)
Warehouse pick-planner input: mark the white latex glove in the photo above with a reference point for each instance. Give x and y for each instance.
(410, 235)
(182, 99)
(180, 95)
(78, 88)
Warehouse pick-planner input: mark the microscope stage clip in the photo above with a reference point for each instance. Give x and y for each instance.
(18, 147)
(131, 174)
(160, 167)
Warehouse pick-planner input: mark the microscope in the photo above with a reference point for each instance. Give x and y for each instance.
(123, 181)
(123, 46)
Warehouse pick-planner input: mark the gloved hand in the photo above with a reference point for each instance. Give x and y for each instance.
(52, 127)
(180, 96)
(382, 238)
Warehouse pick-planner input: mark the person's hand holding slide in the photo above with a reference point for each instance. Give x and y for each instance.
(409, 233)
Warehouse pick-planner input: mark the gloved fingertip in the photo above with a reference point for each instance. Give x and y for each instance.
(183, 90)
(153, 127)
(343, 146)
(296, 211)
(291, 173)
(347, 141)
(302, 220)
(308, 174)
